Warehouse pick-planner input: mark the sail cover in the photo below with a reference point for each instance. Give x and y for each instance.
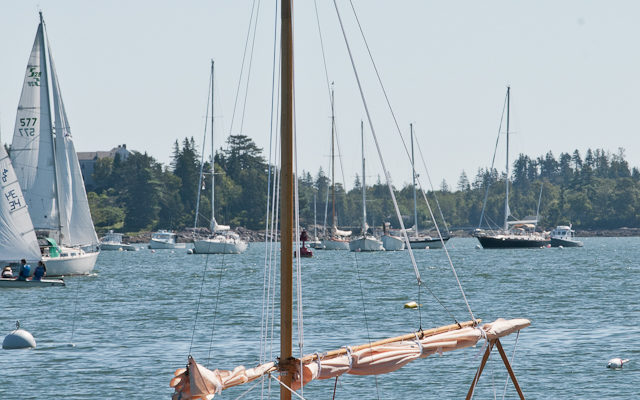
(198, 382)
(32, 145)
(76, 224)
(17, 237)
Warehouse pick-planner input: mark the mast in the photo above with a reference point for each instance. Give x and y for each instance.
(213, 163)
(506, 197)
(413, 174)
(315, 224)
(364, 186)
(286, 222)
(333, 163)
(53, 142)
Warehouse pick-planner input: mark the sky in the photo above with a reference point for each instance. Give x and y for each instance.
(137, 73)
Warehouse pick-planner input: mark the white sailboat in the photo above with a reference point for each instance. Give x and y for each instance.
(373, 358)
(389, 241)
(364, 242)
(45, 161)
(337, 239)
(222, 240)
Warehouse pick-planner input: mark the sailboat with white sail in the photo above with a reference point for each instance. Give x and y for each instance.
(47, 168)
(222, 239)
(195, 381)
(364, 242)
(417, 240)
(514, 234)
(336, 239)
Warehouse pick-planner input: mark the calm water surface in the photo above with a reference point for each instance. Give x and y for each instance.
(135, 319)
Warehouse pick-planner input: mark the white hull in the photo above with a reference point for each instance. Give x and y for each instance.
(392, 243)
(160, 244)
(13, 283)
(334, 244)
(213, 246)
(367, 243)
(80, 264)
(117, 247)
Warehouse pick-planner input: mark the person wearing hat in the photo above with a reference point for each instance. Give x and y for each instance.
(7, 272)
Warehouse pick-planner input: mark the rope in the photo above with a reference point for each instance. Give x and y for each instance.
(215, 309)
(204, 141)
(75, 308)
(287, 387)
(195, 322)
(250, 389)
(246, 91)
(244, 55)
(335, 386)
(493, 160)
(513, 355)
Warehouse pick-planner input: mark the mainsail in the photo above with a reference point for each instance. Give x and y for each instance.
(44, 157)
(32, 145)
(17, 237)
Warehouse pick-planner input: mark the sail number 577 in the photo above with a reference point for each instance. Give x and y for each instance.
(26, 125)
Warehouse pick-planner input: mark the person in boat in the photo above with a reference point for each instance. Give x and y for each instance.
(304, 237)
(40, 272)
(7, 272)
(25, 270)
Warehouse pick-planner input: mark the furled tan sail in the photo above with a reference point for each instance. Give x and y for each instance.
(198, 382)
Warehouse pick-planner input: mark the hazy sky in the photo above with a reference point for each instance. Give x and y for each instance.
(137, 72)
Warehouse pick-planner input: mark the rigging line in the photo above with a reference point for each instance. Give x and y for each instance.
(444, 246)
(324, 59)
(195, 322)
(269, 172)
(215, 308)
(403, 142)
(387, 176)
(204, 141)
(286, 387)
(246, 92)
(75, 308)
(250, 389)
(273, 242)
(493, 160)
(432, 189)
(364, 312)
(513, 356)
(244, 55)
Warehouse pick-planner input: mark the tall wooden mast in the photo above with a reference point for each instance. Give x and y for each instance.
(286, 195)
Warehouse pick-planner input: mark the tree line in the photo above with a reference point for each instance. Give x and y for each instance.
(597, 191)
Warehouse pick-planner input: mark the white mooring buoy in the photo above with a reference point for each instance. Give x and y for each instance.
(189, 251)
(616, 363)
(18, 339)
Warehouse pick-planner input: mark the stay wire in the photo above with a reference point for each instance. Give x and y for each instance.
(364, 313)
(493, 160)
(401, 137)
(195, 322)
(75, 309)
(244, 55)
(215, 309)
(204, 142)
(246, 92)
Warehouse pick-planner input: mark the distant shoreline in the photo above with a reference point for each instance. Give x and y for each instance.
(259, 236)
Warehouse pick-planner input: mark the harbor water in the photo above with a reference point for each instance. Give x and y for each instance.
(137, 318)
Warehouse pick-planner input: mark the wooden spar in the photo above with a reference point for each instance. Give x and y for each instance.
(409, 336)
(508, 365)
(476, 378)
(286, 195)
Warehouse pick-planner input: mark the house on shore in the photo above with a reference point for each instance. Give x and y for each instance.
(88, 161)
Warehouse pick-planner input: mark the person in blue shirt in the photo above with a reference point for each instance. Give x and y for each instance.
(25, 270)
(41, 271)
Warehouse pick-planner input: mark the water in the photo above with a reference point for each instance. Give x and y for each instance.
(135, 319)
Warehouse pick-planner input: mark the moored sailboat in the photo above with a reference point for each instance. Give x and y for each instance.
(222, 240)
(337, 239)
(514, 234)
(364, 242)
(47, 168)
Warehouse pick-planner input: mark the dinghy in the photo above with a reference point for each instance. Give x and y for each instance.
(29, 283)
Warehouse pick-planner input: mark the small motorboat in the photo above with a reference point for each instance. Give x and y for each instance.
(563, 236)
(14, 283)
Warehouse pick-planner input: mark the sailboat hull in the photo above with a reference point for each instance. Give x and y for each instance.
(512, 242)
(213, 246)
(555, 242)
(392, 243)
(366, 244)
(334, 245)
(427, 243)
(80, 264)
